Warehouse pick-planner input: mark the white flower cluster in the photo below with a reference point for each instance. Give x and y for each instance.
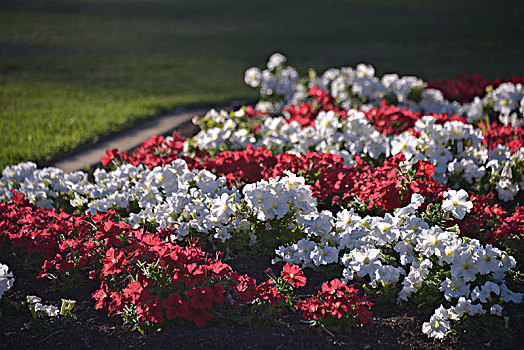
(36, 305)
(357, 87)
(507, 100)
(227, 133)
(169, 196)
(364, 245)
(6, 279)
(41, 186)
(276, 197)
(439, 325)
(276, 80)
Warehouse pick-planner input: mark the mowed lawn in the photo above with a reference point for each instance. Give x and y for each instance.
(72, 72)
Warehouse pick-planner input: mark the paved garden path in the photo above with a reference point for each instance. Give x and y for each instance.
(129, 139)
(179, 119)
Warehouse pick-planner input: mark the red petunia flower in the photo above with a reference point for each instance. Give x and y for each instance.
(293, 275)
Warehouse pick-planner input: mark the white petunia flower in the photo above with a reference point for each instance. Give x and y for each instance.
(365, 261)
(456, 202)
(324, 255)
(496, 310)
(33, 299)
(6, 279)
(454, 288)
(438, 326)
(386, 275)
(276, 61)
(506, 189)
(253, 77)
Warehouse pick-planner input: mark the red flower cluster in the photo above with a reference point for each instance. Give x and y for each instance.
(247, 166)
(155, 152)
(491, 222)
(41, 230)
(499, 134)
(332, 182)
(252, 113)
(306, 112)
(159, 280)
(465, 87)
(251, 165)
(512, 225)
(385, 188)
(389, 119)
(337, 301)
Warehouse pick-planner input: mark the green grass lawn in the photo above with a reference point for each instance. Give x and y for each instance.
(72, 71)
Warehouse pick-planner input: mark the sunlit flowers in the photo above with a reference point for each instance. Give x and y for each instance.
(457, 203)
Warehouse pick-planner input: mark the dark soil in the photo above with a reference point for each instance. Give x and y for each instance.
(393, 328)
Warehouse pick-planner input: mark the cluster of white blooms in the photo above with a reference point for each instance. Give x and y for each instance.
(6, 279)
(363, 245)
(357, 87)
(41, 186)
(227, 133)
(276, 80)
(439, 324)
(507, 100)
(276, 197)
(36, 306)
(354, 87)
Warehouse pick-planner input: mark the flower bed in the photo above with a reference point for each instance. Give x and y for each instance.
(393, 189)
